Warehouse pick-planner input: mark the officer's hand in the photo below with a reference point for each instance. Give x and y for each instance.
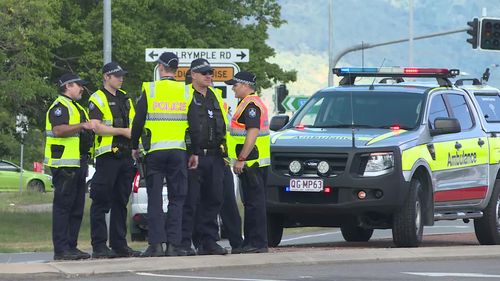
(136, 154)
(88, 125)
(127, 132)
(238, 167)
(193, 162)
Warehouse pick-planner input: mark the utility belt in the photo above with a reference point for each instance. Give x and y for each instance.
(120, 150)
(210, 152)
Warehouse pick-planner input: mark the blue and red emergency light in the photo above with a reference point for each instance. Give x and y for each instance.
(395, 71)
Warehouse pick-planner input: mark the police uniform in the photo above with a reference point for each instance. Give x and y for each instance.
(229, 212)
(161, 123)
(207, 130)
(112, 181)
(67, 157)
(251, 113)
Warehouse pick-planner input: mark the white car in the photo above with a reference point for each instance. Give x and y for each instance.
(139, 208)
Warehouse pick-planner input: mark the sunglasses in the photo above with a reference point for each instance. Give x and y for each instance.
(208, 72)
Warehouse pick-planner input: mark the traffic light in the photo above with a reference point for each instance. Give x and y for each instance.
(281, 93)
(490, 34)
(474, 32)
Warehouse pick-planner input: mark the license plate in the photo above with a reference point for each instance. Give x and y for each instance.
(306, 185)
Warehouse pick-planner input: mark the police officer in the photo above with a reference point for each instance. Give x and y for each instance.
(69, 138)
(111, 185)
(207, 130)
(249, 150)
(161, 123)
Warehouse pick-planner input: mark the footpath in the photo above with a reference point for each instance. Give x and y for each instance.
(298, 256)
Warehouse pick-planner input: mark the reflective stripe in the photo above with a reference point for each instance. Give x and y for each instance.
(107, 122)
(262, 162)
(102, 149)
(151, 89)
(97, 97)
(60, 162)
(242, 132)
(186, 92)
(168, 145)
(51, 135)
(166, 117)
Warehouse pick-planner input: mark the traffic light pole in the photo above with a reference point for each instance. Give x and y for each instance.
(369, 46)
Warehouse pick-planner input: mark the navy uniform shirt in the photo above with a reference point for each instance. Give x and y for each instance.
(250, 116)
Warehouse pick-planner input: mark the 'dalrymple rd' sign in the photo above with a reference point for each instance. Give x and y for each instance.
(212, 55)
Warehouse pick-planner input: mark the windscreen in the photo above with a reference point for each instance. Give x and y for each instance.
(369, 110)
(490, 106)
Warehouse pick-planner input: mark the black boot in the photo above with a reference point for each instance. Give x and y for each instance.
(153, 250)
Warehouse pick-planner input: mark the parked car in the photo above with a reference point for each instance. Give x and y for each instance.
(32, 181)
(90, 175)
(139, 208)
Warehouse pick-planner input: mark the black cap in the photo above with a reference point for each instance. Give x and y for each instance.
(70, 78)
(112, 68)
(242, 77)
(169, 59)
(200, 65)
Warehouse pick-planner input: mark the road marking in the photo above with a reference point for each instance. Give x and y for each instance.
(451, 274)
(310, 236)
(203, 277)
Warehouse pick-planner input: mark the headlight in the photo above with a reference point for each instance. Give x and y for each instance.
(323, 168)
(379, 164)
(49, 177)
(295, 167)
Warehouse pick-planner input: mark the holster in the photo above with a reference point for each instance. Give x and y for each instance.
(146, 139)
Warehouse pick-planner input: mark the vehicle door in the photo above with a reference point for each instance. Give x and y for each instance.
(460, 164)
(9, 175)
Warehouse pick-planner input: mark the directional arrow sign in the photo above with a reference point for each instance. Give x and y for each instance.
(293, 103)
(212, 55)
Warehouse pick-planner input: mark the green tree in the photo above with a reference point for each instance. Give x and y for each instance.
(40, 40)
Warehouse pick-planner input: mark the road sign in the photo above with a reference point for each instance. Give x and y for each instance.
(212, 55)
(221, 73)
(293, 103)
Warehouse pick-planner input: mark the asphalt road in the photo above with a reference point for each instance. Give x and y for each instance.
(325, 238)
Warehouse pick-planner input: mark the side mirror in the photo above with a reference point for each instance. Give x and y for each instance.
(278, 122)
(445, 126)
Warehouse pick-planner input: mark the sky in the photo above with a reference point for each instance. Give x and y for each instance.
(302, 43)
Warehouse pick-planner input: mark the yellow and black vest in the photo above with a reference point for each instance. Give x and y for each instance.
(68, 148)
(104, 144)
(166, 119)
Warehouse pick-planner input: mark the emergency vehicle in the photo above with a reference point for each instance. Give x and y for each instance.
(388, 154)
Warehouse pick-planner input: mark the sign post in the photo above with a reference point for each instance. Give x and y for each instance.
(293, 103)
(21, 129)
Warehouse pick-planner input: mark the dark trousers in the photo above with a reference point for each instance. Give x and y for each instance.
(206, 193)
(254, 200)
(68, 205)
(111, 188)
(230, 215)
(170, 165)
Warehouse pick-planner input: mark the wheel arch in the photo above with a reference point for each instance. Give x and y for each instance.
(423, 173)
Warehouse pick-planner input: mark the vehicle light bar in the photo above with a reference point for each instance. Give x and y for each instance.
(396, 71)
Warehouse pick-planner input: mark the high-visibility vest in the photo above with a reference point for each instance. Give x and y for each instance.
(166, 118)
(70, 145)
(238, 133)
(101, 101)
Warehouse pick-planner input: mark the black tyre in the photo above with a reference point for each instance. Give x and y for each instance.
(488, 227)
(140, 236)
(36, 185)
(408, 226)
(353, 233)
(274, 230)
